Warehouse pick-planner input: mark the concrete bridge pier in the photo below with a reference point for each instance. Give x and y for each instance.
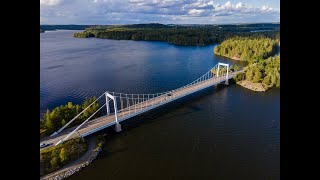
(117, 127)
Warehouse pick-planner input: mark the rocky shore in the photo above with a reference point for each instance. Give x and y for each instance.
(66, 172)
(252, 86)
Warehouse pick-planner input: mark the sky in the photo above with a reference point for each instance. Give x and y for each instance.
(102, 12)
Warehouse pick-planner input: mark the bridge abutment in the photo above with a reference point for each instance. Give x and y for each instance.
(117, 127)
(226, 82)
(55, 133)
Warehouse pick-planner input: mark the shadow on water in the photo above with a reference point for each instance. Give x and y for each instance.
(108, 153)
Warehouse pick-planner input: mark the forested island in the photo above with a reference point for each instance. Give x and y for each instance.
(247, 48)
(44, 28)
(188, 35)
(263, 70)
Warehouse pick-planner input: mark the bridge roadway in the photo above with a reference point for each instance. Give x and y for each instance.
(97, 124)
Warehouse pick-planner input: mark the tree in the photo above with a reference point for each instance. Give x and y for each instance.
(247, 48)
(70, 106)
(249, 74)
(48, 124)
(257, 76)
(63, 122)
(267, 80)
(55, 162)
(55, 159)
(240, 77)
(59, 116)
(64, 155)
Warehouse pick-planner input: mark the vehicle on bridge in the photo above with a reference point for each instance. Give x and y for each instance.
(42, 145)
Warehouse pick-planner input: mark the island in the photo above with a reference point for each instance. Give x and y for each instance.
(261, 53)
(44, 28)
(247, 48)
(185, 35)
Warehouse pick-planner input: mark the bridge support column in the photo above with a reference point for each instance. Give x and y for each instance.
(117, 127)
(227, 80)
(217, 72)
(227, 75)
(107, 104)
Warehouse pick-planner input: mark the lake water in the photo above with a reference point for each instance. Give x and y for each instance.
(219, 133)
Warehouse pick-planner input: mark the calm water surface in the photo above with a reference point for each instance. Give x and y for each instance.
(219, 133)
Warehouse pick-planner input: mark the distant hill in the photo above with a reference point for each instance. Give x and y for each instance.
(151, 25)
(67, 27)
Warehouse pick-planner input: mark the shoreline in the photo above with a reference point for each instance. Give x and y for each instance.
(233, 57)
(258, 87)
(77, 165)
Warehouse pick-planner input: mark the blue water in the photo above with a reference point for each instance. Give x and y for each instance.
(73, 68)
(219, 133)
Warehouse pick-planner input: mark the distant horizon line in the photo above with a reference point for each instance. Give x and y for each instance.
(164, 24)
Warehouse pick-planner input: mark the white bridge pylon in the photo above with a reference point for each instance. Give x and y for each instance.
(226, 65)
(117, 125)
(125, 106)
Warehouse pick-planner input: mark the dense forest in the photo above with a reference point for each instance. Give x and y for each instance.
(266, 72)
(247, 48)
(198, 35)
(44, 28)
(53, 120)
(55, 157)
(262, 55)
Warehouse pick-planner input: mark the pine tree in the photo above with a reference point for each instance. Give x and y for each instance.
(64, 155)
(63, 122)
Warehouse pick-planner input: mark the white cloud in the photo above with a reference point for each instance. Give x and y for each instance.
(196, 12)
(50, 2)
(240, 8)
(266, 9)
(228, 6)
(239, 5)
(163, 11)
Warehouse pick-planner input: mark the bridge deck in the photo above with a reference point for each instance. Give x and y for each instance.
(106, 121)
